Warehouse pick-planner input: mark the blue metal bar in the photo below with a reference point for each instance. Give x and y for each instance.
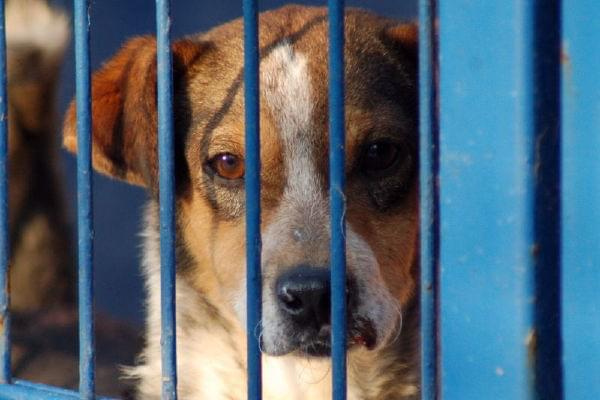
(497, 120)
(84, 200)
(252, 181)
(5, 374)
(24, 390)
(336, 197)
(546, 350)
(167, 198)
(580, 59)
(429, 167)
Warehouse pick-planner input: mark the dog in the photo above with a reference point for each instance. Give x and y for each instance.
(44, 319)
(41, 264)
(381, 202)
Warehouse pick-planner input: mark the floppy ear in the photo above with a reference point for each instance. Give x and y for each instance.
(124, 117)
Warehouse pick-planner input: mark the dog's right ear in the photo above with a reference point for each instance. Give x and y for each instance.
(124, 117)
(404, 39)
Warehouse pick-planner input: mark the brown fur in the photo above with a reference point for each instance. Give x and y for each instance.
(381, 76)
(124, 101)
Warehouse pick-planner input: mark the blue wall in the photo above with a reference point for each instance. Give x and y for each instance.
(117, 206)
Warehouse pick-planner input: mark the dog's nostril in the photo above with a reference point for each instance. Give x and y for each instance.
(303, 294)
(290, 301)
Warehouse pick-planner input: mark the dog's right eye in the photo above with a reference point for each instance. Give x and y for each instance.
(227, 166)
(379, 157)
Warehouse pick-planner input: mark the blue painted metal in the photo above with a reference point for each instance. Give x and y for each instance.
(24, 390)
(500, 203)
(5, 374)
(252, 182)
(337, 183)
(546, 350)
(166, 164)
(581, 199)
(497, 119)
(85, 227)
(429, 206)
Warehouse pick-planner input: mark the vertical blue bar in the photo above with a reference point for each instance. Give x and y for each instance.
(5, 375)
(546, 350)
(166, 198)
(429, 166)
(252, 181)
(581, 198)
(85, 228)
(337, 184)
(498, 202)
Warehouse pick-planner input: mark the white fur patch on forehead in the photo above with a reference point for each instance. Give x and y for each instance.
(286, 87)
(285, 83)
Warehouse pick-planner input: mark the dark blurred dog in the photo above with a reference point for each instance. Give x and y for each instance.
(45, 346)
(41, 272)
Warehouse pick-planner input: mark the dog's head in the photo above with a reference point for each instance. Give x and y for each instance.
(381, 162)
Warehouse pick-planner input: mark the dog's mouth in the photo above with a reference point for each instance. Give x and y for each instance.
(360, 334)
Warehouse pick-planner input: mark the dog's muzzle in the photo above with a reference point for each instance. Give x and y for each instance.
(304, 302)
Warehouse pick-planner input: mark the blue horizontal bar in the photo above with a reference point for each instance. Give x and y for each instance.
(166, 164)
(85, 227)
(337, 182)
(580, 61)
(252, 182)
(23, 390)
(5, 374)
(429, 168)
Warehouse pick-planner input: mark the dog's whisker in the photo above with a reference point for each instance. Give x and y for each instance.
(260, 342)
(400, 321)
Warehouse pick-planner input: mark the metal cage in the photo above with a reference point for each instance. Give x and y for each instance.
(510, 201)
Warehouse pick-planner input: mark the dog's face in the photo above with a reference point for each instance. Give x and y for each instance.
(381, 162)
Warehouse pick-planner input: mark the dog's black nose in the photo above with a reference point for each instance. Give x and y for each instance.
(303, 295)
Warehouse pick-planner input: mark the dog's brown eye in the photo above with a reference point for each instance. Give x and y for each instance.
(380, 156)
(227, 166)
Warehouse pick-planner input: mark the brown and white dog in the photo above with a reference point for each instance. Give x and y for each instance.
(382, 208)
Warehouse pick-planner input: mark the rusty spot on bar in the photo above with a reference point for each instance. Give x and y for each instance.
(531, 343)
(565, 59)
(535, 249)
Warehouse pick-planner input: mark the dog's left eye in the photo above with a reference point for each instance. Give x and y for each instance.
(227, 166)
(380, 156)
